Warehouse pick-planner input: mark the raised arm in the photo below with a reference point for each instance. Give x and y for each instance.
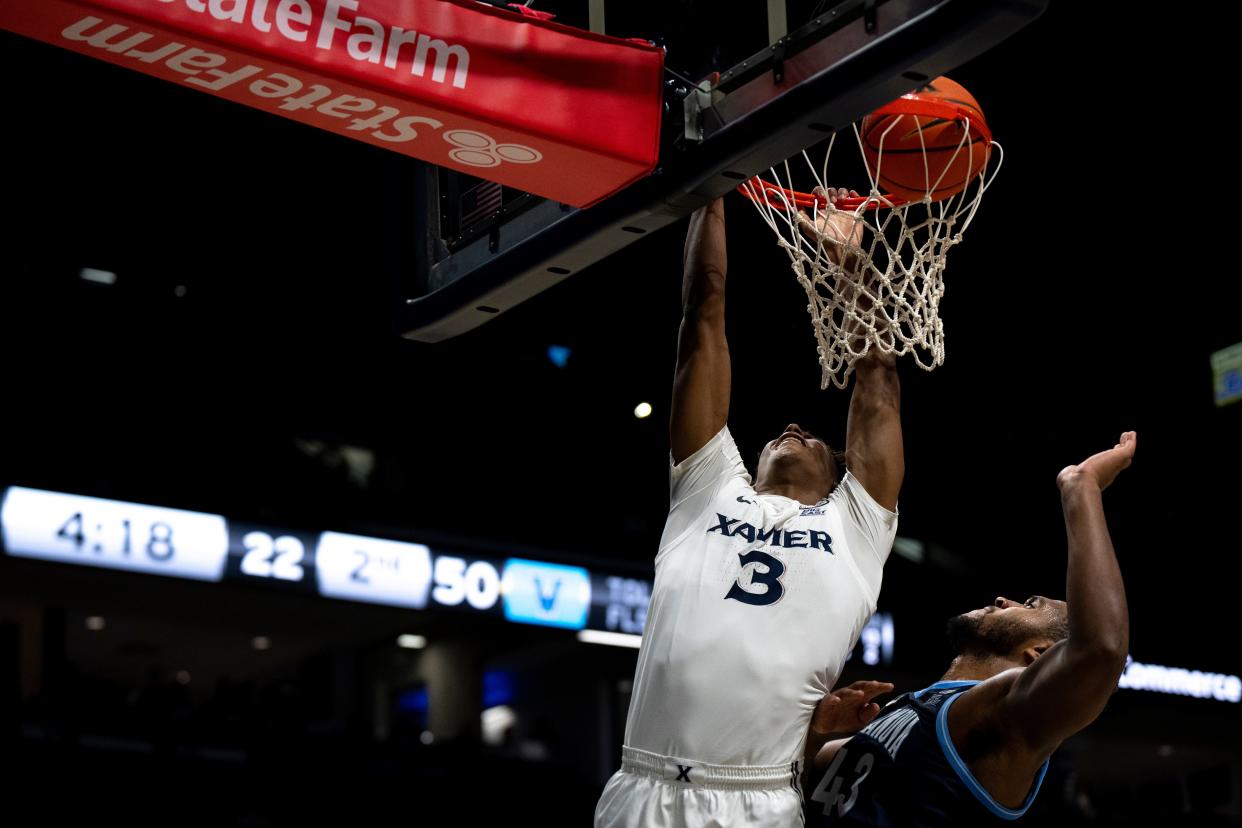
(1066, 688)
(874, 451)
(701, 385)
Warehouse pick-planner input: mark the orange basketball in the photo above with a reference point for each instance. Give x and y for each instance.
(915, 146)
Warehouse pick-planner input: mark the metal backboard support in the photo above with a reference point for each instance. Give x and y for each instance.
(819, 78)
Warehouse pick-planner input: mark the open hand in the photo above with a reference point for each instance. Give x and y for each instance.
(1103, 468)
(848, 709)
(833, 227)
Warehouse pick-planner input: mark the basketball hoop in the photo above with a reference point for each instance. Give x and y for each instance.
(884, 292)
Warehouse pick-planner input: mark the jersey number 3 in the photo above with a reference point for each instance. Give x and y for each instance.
(766, 573)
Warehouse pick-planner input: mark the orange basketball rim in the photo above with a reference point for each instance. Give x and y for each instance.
(945, 105)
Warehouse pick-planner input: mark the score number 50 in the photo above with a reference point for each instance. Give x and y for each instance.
(478, 583)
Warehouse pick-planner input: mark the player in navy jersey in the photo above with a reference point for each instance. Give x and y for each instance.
(972, 748)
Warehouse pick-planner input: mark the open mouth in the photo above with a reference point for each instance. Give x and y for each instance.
(789, 435)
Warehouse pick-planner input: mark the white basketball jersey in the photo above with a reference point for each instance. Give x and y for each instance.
(757, 601)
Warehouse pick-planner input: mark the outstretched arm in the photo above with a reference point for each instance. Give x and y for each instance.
(701, 385)
(874, 451)
(1066, 688)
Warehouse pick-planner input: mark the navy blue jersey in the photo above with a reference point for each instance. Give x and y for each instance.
(902, 771)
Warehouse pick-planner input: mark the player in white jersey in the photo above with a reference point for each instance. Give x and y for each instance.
(761, 588)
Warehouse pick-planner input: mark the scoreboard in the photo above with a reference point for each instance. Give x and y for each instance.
(154, 540)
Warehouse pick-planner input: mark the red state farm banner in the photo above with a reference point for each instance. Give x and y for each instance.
(566, 114)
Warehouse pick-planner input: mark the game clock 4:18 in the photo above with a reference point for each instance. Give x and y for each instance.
(110, 533)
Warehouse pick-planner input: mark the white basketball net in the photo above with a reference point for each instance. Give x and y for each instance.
(887, 294)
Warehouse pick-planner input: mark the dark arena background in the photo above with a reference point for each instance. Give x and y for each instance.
(196, 300)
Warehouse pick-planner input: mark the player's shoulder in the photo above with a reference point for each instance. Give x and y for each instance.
(851, 493)
(718, 456)
(982, 706)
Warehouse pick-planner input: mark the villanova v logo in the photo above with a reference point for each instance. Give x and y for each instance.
(546, 601)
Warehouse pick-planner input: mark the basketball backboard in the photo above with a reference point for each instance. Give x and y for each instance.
(485, 249)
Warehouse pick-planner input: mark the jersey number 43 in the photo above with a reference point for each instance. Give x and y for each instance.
(828, 791)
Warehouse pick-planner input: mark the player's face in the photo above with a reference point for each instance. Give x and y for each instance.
(1035, 612)
(799, 447)
(1005, 624)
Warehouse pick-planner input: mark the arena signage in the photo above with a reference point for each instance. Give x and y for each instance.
(562, 113)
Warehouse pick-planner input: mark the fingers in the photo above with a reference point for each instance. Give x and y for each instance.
(847, 709)
(879, 689)
(808, 228)
(832, 195)
(1124, 449)
(869, 689)
(1129, 441)
(837, 700)
(826, 704)
(1103, 467)
(825, 715)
